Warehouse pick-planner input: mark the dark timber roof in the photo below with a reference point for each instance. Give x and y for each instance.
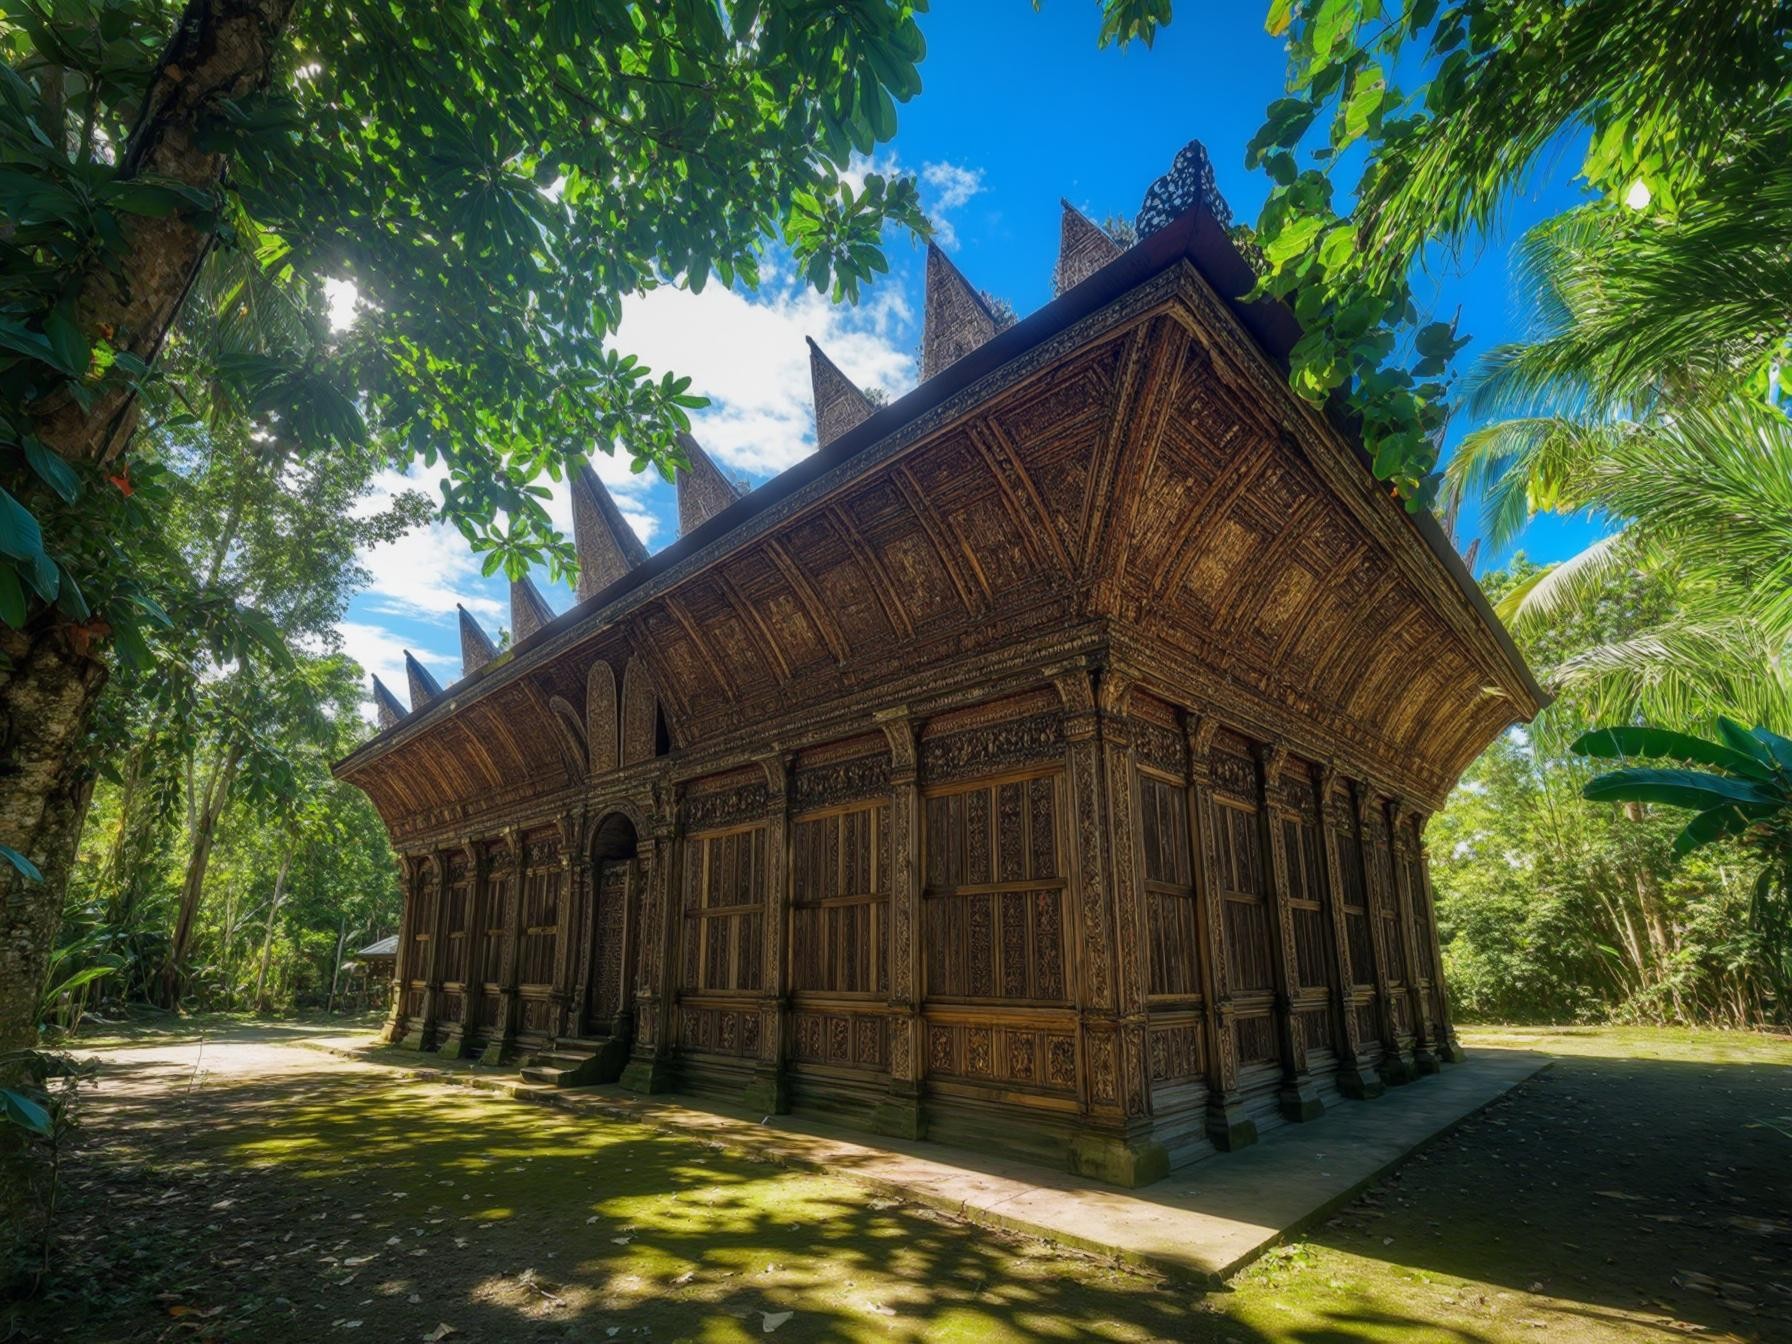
(1195, 236)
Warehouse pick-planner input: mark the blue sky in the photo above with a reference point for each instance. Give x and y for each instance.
(1019, 108)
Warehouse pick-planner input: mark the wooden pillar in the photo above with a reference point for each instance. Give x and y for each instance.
(1297, 1097)
(397, 1028)
(1353, 1079)
(1114, 1143)
(1448, 1047)
(900, 1112)
(769, 1091)
(1229, 1127)
(575, 870)
(420, 1032)
(478, 916)
(502, 1044)
(1396, 1060)
(651, 1065)
(1417, 979)
(452, 1035)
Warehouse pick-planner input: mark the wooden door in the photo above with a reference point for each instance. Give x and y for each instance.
(604, 995)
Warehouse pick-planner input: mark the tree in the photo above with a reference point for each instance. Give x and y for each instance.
(1674, 99)
(586, 153)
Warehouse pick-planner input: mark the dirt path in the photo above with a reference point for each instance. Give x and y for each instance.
(248, 1188)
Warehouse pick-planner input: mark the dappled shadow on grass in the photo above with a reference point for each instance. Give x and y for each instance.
(1617, 1183)
(345, 1192)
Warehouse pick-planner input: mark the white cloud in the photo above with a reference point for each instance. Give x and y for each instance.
(748, 357)
(951, 186)
(426, 571)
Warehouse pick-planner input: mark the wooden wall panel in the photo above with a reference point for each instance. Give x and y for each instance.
(839, 933)
(994, 920)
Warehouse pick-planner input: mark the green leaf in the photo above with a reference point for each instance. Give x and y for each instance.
(1712, 825)
(23, 864)
(12, 598)
(1656, 743)
(73, 354)
(20, 536)
(1676, 788)
(54, 472)
(22, 1111)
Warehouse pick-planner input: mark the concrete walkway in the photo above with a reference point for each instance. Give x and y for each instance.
(1205, 1221)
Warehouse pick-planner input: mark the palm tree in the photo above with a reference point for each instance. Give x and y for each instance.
(1692, 471)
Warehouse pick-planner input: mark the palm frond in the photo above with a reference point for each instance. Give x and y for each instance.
(1573, 584)
(1685, 674)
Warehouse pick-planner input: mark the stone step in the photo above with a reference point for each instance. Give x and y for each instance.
(574, 1062)
(582, 1046)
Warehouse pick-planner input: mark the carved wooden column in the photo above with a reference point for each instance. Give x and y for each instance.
(478, 916)
(1449, 1048)
(397, 1028)
(651, 1063)
(1228, 1125)
(1396, 1065)
(1297, 1097)
(452, 1035)
(769, 1091)
(575, 870)
(1353, 1079)
(503, 1040)
(1116, 1143)
(900, 1113)
(1417, 982)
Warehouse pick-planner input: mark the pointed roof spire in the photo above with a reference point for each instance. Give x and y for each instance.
(476, 647)
(955, 319)
(1083, 249)
(424, 687)
(608, 547)
(386, 707)
(703, 491)
(529, 610)
(839, 404)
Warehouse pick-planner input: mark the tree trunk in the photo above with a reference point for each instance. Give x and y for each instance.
(336, 966)
(267, 941)
(217, 794)
(222, 49)
(47, 693)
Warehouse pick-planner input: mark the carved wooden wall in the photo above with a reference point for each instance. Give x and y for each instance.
(982, 770)
(496, 942)
(539, 922)
(840, 875)
(601, 723)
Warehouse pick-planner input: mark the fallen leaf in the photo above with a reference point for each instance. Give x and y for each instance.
(441, 1332)
(771, 1320)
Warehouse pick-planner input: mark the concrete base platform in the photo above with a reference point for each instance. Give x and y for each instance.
(1205, 1221)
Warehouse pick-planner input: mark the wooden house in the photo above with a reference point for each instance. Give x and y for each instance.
(1043, 762)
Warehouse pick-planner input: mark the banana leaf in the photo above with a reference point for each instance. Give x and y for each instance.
(1653, 743)
(1679, 788)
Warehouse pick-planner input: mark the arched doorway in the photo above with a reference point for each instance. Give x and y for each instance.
(614, 901)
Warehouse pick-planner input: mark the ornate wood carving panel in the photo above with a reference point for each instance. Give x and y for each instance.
(543, 879)
(456, 921)
(994, 919)
(1172, 917)
(609, 980)
(1008, 1053)
(724, 911)
(840, 865)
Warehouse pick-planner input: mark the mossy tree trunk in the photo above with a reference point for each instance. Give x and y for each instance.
(53, 672)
